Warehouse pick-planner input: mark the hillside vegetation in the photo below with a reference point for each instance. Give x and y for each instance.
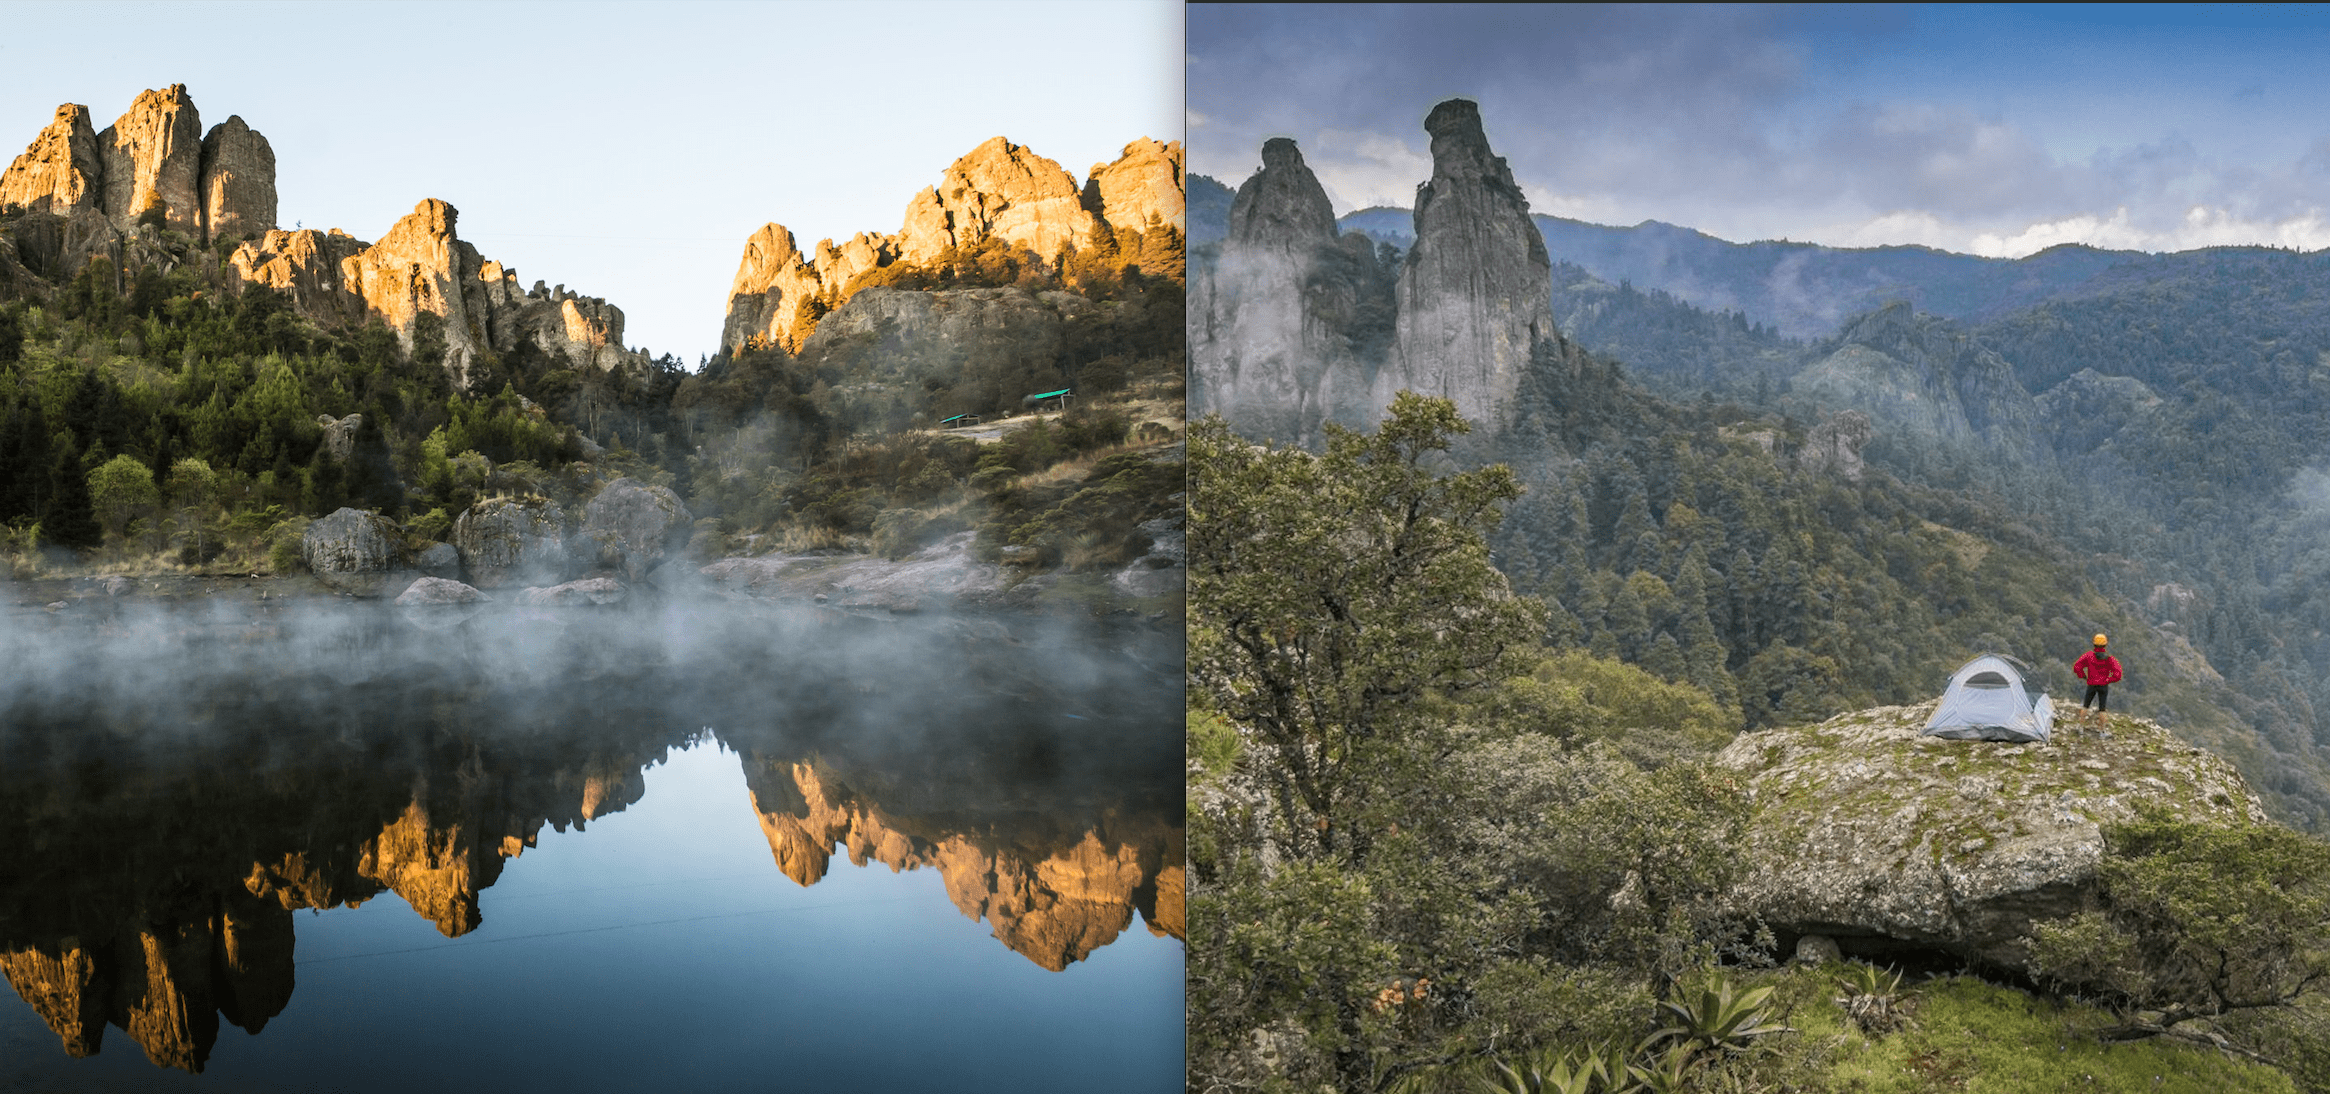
(181, 419)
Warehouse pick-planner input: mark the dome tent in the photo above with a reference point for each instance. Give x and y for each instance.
(1986, 702)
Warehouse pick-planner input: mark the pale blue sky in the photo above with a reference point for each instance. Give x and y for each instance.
(625, 150)
(1996, 129)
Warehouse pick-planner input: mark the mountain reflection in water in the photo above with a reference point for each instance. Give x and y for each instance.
(175, 784)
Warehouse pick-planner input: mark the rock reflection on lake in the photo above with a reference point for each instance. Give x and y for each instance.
(176, 783)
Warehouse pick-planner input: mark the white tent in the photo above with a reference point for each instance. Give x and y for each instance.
(1986, 702)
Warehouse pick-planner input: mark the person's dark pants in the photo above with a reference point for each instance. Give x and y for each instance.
(2096, 694)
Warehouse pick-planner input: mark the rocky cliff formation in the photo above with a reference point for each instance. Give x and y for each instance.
(1145, 186)
(60, 172)
(1292, 324)
(1869, 833)
(1267, 343)
(1054, 910)
(1476, 296)
(111, 194)
(1922, 375)
(238, 181)
(154, 164)
(999, 191)
(153, 161)
(436, 292)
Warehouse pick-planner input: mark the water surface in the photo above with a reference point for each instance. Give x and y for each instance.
(691, 846)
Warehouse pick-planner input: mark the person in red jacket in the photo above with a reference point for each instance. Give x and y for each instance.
(2100, 670)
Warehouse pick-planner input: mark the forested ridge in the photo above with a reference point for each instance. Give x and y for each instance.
(173, 415)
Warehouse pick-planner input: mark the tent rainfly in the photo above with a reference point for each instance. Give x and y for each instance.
(1986, 702)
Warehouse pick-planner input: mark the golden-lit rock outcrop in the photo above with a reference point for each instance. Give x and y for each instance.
(1143, 187)
(1053, 909)
(61, 171)
(998, 191)
(153, 161)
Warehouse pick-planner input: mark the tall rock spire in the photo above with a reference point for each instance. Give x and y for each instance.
(1476, 295)
(1269, 322)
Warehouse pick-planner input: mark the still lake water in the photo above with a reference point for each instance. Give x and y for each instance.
(702, 846)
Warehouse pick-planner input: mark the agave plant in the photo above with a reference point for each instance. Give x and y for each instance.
(1720, 1015)
(1667, 1072)
(1598, 1070)
(1871, 998)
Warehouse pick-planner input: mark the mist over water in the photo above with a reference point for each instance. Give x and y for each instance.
(651, 806)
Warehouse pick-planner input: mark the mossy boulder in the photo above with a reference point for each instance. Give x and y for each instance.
(1871, 833)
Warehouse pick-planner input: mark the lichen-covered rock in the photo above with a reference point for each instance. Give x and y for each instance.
(1476, 295)
(512, 541)
(631, 526)
(1868, 832)
(590, 591)
(351, 550)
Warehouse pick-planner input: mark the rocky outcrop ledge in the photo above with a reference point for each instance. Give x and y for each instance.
(1865, 831)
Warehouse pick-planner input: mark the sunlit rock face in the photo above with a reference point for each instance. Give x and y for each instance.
(779, 293)
(153, 160)
(238, 181)
(421, 267)
(1476, 296)
(1142, 187)
(1054, 910)
(1000, 190)
(304, 266)
(61, 172)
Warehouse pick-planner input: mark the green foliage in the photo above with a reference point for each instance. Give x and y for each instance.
(1720, 1015)
(2198, 920)
(1336, 594)
(120, 490)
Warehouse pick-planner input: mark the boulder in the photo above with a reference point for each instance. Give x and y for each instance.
(439, 560)
(350, 551)
(512, 540)
(438, 592)
(631, 526)
(1867, 832)
(340, 434)
(592, 591)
